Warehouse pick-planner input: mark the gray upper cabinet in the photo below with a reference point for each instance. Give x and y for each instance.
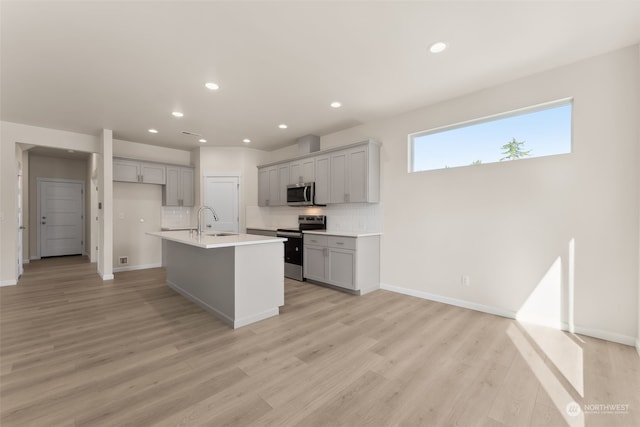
(355, 175)
(272, 185)
(302, 170)
(179, 189)
(343, 175)
(322, 164)
(126, 170)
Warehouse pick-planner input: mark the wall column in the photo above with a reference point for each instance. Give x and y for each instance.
(105, 213)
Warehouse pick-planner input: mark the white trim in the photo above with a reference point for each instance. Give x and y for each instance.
(605, 335)
(590, 332)
(34, 257)
(451, 301)
(25, 261)
(8, 283)
(244, 321)
(136, 267)
(107, 276)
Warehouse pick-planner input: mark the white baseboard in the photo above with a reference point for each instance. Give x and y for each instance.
(26, 261)
(450, 301)
(590, 332)
(136, 267)
(34, 258)
(107, 276)
(8, 283)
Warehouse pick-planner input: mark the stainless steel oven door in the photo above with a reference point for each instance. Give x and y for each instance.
(292, 254)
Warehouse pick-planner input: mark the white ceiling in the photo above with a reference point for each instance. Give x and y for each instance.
(125, 66)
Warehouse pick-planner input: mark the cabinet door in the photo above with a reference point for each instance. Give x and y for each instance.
(338, 190)
(314, 263)
(126, 170)
(295, 176)
(308, 167)
(186, 189)
(274, 183)
(283, 181)
(322, 180)
(357, 175)
(341, 271)
(263, 187)
(171, 196)
(152, 173)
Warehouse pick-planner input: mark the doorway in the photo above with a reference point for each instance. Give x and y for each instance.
(222, 194)
(60, 217)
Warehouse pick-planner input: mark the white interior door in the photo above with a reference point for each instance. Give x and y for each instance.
(221, 193)
(61, 206)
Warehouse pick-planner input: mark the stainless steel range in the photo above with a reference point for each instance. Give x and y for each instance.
(293, 256)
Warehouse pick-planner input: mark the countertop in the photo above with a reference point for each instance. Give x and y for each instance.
(344, 233)
(210, 242)
(179, 227)
(264, 228)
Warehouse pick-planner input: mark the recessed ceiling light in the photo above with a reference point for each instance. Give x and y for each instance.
(246, 141)
(438, 47)
(336, 104)
(202, 140)
(153, 131)
(212, 86)
(282, 126)
(177, 114)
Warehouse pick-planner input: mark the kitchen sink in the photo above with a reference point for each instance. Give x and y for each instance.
(222, 234)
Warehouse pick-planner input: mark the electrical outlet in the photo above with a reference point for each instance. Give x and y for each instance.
(124, 260)
(465, 281)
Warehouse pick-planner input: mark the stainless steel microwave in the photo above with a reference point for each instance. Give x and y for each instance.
(301, 194)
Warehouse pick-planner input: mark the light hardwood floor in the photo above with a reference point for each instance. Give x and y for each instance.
(77, 351)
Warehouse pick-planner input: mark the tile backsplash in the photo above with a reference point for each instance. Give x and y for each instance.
(177, 216)
(357, 217)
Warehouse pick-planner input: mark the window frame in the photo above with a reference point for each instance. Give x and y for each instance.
(492, 117)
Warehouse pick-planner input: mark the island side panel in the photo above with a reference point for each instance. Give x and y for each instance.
(259, 273)
(205, 276)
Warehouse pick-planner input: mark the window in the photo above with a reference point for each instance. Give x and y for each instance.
(542, 130)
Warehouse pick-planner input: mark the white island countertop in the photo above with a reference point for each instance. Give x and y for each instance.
(344, 233)
(208, 241)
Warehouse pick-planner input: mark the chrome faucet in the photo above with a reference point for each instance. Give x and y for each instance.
(215, 217)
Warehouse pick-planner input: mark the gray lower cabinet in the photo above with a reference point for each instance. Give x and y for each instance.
(351, 263)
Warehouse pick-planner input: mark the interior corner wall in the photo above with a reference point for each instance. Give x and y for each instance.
(137, 210)
(54, 168)
(506, 224)
(233, 160)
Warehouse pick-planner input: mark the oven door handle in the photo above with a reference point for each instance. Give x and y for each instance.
(288, 234)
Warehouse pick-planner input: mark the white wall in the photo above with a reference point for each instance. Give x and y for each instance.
(242, 161)
(56, 168)
(138, 151)
(136, 211)
(10, 135)
(506, 224)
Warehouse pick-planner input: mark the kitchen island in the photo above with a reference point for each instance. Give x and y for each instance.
(237, 277)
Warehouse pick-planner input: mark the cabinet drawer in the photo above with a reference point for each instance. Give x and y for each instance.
(341, 242)
(314, 239)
